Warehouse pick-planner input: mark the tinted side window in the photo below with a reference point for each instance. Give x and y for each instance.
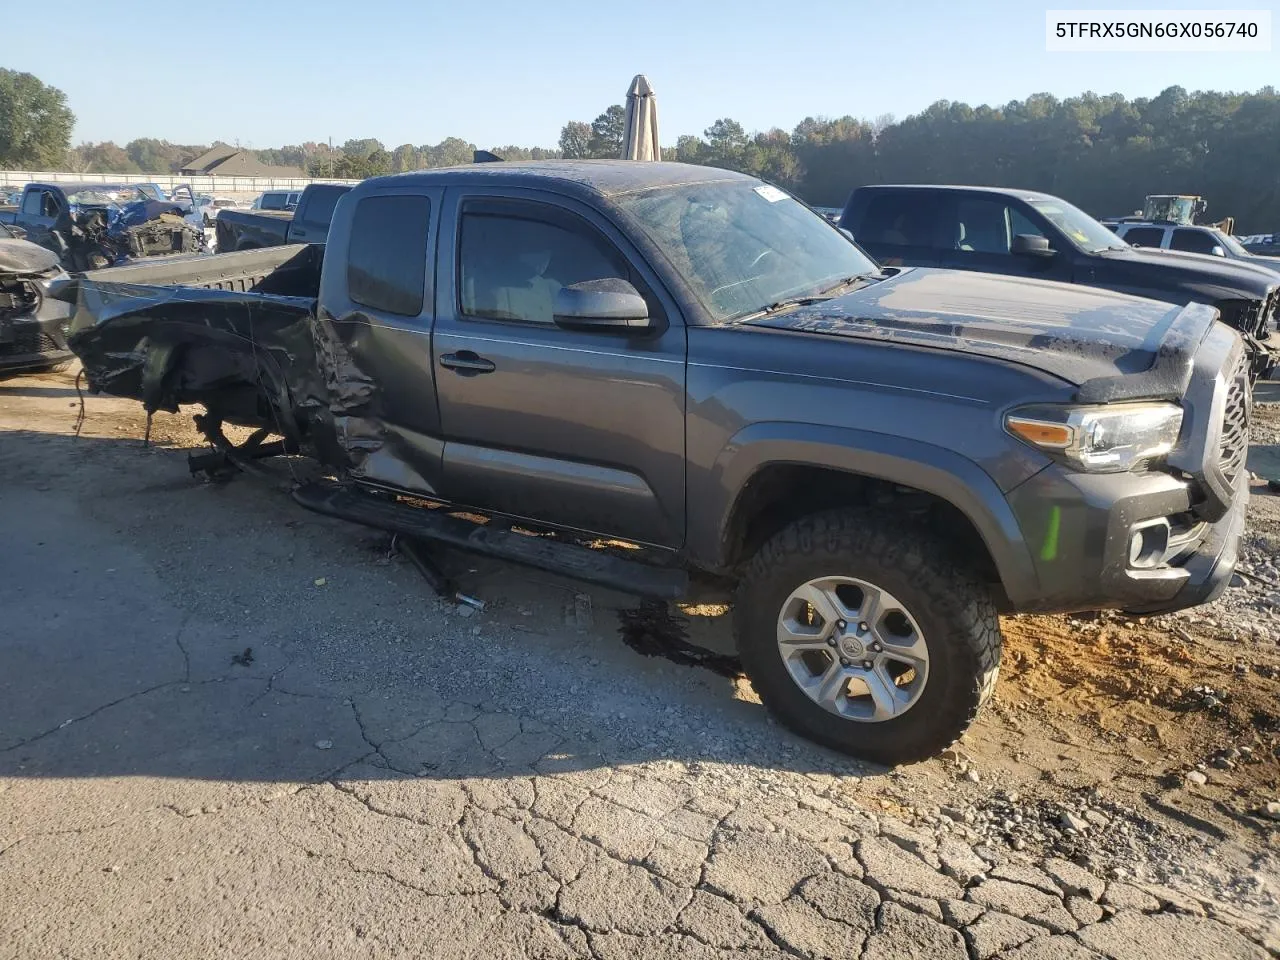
(981, 225)
(320, 204)
(896, 220)
(387, 263)
(511, 265)
(1020, 225)
(31, 202)
(1144, 236)
(1193, 241)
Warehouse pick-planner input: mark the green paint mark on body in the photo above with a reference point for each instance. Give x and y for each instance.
(1049, 549)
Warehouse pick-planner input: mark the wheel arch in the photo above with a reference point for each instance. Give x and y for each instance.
(772, 474)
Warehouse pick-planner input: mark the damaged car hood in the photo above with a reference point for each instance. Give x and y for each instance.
(22, 256)
(1078, 334)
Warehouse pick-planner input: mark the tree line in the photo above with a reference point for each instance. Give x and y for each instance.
(1103, 153)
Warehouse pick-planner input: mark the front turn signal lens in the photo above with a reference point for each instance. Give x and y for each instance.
(1039, 433)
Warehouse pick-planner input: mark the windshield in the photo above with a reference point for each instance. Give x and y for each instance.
(1081, 229)
(106, 194)
(1231, 244)
(743, 246)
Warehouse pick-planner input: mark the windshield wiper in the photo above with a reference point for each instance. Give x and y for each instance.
(849, 281)
(808, 298)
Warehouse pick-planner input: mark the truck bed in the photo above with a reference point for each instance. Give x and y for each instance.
(290, 271)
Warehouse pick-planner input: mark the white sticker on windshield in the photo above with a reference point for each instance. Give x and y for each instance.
(772, 194)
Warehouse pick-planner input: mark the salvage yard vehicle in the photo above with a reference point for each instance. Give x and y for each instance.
(33, 326)
(1265, 244)
(211, 207)
(94, 225)
(692, 361)
(277, 200)
(1204, 240)
(1035, 235)
(307, 223)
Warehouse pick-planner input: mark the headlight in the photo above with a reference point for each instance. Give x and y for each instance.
(1108, 438)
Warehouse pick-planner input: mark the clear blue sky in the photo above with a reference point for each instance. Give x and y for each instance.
(513, 71)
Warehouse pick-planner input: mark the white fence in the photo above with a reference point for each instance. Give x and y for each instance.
(218, 185)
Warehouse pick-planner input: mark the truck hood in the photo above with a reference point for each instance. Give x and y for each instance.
(1216, 277)
(1079, 334)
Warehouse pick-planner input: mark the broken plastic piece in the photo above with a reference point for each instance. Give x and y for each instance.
(416, 551)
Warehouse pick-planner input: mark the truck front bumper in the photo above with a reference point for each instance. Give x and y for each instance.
(1125, 541)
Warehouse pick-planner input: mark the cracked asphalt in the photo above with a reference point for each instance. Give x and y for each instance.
(389, 775)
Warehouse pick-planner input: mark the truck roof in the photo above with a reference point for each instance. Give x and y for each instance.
(76, 187)
(1000, 191)
(1141, 222)
(606, 177)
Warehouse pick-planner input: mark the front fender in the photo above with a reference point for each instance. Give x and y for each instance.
(910, 463)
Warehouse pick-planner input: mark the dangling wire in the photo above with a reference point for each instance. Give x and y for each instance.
(80, 394)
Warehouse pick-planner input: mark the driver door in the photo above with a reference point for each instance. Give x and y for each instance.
(573, 428)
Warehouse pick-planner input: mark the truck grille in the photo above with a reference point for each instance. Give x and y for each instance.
(1235, 428)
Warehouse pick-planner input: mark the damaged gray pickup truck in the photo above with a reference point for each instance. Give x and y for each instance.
(691, 361)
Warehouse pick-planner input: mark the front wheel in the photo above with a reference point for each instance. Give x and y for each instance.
(859, 631)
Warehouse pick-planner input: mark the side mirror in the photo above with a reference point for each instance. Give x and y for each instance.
(1031, 245)
(1217, 251)
(608, 304)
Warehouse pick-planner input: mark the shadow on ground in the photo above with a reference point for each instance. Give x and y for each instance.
(160, 628)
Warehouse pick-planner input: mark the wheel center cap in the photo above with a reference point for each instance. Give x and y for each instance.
(851, 647)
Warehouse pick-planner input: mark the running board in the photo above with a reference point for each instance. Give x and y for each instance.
(570, 560)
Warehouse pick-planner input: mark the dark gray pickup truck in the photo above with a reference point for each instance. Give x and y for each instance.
(689, 360)
(307, 223)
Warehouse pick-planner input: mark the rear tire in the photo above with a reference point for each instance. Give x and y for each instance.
(937, 610)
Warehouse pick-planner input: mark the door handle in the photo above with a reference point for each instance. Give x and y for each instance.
(467, 362)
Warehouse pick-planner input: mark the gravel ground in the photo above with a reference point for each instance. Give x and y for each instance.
(229, 727)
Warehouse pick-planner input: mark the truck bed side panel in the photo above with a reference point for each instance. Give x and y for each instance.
(235, 335)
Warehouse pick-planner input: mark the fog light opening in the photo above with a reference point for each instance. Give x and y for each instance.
(1148, 544)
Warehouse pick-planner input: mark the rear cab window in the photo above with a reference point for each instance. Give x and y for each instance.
(387, 258)
(319, 205)
(32, 202)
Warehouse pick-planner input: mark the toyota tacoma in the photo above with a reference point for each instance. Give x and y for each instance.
(876, 461)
